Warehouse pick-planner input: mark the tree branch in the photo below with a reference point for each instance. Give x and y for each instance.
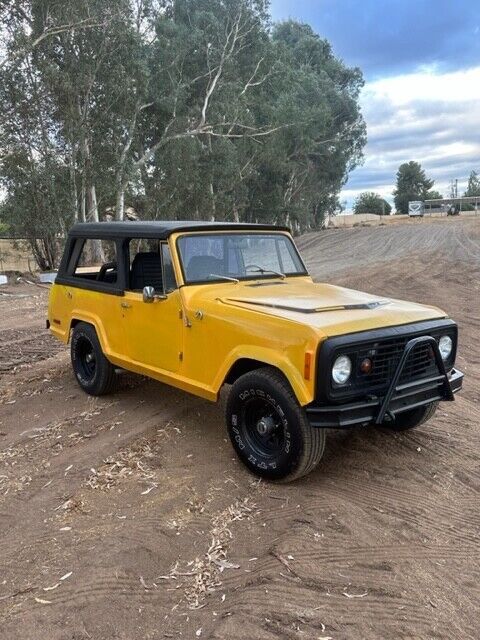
(48, 32)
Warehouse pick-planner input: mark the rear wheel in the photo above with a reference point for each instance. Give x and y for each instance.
(413, 418)
(268, 428)
(94, 373)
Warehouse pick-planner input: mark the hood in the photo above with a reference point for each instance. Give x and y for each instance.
(330, 309)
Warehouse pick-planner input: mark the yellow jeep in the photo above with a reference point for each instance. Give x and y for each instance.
(198, 305)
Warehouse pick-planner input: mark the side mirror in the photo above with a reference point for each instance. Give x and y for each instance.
(148, 294)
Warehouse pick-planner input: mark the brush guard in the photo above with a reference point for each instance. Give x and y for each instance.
(395, 388)
(398, 398)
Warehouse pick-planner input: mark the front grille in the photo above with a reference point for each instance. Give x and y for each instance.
(385, 353)
(386, 356)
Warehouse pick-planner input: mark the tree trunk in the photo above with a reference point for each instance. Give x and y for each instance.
(92, 216)
(120, 206)
(83, 202)
(92, 209)
(37, 254)
(212, 196)
(73, 187)
(89, 201)
(120, 202)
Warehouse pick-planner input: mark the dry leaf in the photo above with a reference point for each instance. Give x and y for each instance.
(144, 493)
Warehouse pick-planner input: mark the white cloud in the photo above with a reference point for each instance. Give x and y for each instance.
(428, 116)
(426, 84)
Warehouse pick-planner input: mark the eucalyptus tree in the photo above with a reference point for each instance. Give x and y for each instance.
(179, 108)
(207, 63)
(33, 180)
(326, 131)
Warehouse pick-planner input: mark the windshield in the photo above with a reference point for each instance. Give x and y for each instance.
(238, 256)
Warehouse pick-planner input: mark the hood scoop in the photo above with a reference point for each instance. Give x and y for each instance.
(265, 284)
(306, 306)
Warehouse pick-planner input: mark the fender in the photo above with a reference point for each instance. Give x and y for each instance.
(94, 320)
(302, 389)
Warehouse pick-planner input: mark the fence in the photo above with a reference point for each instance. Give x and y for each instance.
(371, 219)
(15, 255)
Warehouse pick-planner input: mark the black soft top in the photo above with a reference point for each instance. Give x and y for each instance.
(160, 229)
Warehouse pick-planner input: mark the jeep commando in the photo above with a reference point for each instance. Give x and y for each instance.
(200, 305)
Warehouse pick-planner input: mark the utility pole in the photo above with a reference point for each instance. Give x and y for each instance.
(454, 188)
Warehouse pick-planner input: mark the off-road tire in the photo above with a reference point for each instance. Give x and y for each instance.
(96, 380)
(413, 418)
(299, 447)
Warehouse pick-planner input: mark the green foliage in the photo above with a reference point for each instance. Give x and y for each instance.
(370, 202)
(179, 108)
(433, 195)
(473, 187)
(412, 184)
(37, 196)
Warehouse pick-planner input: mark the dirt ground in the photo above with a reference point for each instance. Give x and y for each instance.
(129, 517)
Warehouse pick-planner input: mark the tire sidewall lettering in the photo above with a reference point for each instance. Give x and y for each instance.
(239, 442)
(238, 438)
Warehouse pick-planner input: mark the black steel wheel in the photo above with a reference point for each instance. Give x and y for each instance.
(94, 373)
(262, 426)
(269, 429)
(86, 358)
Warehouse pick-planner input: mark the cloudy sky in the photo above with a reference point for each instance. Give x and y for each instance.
(421, 101)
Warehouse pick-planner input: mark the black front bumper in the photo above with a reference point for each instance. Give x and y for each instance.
(398, 398)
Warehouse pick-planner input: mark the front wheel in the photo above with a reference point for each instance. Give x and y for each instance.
(268, 428)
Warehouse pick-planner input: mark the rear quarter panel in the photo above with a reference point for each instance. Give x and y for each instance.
(68, 304)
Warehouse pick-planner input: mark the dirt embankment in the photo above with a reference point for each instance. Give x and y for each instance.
(129, 516)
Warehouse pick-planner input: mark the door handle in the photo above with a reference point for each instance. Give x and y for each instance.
(125, 305)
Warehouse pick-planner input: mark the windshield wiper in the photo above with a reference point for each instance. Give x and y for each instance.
(262, 270)
(216, 275)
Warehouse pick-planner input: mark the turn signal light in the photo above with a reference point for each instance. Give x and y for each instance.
(307, 367)
(366, 366)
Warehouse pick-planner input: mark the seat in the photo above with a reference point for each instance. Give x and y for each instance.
(146, 271)
(201, 267)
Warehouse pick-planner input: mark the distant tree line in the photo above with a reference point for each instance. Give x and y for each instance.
(196, 109)
(412, 184)
(371, 202)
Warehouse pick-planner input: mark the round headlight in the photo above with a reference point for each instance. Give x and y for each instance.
(445, 346)
(341, 370)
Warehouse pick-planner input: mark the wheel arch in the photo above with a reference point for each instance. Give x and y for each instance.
(244, 361)
(94, 321)
(242, 366)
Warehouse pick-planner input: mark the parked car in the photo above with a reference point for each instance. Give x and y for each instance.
(202, 305)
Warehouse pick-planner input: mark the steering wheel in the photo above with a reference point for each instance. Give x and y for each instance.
(104, 268)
